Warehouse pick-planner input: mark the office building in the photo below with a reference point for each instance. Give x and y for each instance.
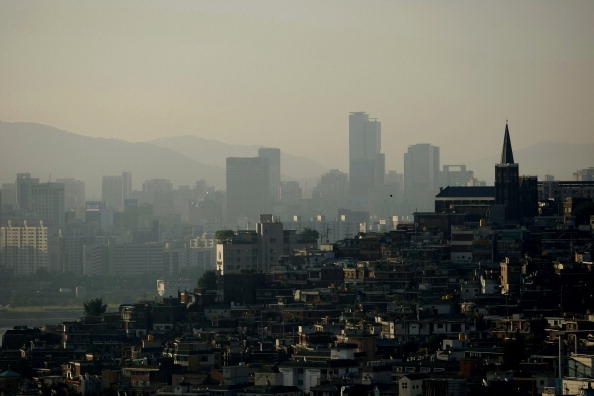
(126, 185)
(74, 197)
(115, 190)
(366, 162)
(46, 201)
(421, 177)
(97, 215)
(112, 192)
(159, 193)
(248, 190)
(137, 259)
(331, 193)
(23, 186)
(274, 166)
(73, 239)
(8, 197)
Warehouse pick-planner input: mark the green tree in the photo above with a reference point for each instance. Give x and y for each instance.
(223, 236)
(94, 307)
(208, 280)
(309, 235)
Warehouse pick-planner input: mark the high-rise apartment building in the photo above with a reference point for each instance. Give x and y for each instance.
(366, 162)
(23, 185)
(248, 190)
(421, 176)
(24, 248)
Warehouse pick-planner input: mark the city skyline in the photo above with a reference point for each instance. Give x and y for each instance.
(287, 73)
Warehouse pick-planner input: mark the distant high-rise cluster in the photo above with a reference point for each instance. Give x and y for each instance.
(165, 228)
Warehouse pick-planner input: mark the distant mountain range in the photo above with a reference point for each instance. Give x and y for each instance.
(215, 153)
(49, 153)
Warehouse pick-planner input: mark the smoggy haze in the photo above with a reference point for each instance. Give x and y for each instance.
(287, 73)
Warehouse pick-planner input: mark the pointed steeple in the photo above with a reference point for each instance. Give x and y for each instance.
(507, 155)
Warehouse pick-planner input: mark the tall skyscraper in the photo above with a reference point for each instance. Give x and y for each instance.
(366, 162)
(23, 184)
(507, 181)
(116, 189)
(126, 185)
(159, 193)
(112, 193)
(274, 163)
(248, 190)
(74, 196)
(47, 202)
(421, 176)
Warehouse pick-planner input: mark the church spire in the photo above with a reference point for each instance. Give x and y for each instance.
(507, 156)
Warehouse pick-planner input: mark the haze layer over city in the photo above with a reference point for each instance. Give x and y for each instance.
(291, 198)
(287, 73)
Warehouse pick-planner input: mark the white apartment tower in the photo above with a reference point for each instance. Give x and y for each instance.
(24, 248)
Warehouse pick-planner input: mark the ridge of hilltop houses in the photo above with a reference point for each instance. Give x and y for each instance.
(490, 294)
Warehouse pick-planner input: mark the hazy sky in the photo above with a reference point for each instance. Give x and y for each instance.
(287, 73)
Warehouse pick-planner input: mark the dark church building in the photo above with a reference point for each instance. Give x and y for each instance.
(513, 200)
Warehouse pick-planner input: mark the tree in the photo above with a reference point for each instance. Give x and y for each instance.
(208, 280)
(223, 236)
(94, 307)
(309, 235)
